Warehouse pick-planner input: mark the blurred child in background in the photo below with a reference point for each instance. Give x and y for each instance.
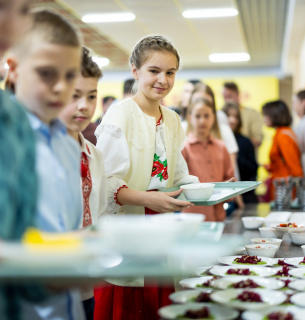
(285, 155)
(247, 165)
(206, 156)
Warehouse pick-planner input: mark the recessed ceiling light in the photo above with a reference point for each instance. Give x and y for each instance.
(108, 17)
(210, 13)
(229, 57)
(101, 62)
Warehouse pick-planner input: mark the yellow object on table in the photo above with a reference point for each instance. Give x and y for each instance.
(38, 240)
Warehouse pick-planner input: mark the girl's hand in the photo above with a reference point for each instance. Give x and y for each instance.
(231, 180)
(164, 202)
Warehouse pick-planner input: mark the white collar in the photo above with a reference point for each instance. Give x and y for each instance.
(85, 146)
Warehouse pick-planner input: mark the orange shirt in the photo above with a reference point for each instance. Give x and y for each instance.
(285, 156)
(210, 162)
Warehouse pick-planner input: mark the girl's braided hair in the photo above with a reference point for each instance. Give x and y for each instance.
(148, 44)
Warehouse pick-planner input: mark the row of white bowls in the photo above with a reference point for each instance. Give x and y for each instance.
(253, 223)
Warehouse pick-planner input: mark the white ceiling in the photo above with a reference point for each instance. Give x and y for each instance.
(258, 29)
(195, 39)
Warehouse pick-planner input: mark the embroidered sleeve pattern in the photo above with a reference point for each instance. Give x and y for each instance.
(116, 194)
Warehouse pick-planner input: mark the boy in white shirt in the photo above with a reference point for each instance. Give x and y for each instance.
(77, 116)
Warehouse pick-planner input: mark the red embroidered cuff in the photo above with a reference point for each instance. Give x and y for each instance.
(116, 194)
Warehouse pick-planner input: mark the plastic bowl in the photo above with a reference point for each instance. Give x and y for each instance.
(190, 222)
(198, 191)
(138, 235)
(276, 242)
(253, 222)
(297, 238)
(265, 250)
(268, 232)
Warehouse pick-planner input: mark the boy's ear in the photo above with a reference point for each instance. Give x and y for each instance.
(134, 72)
(12, 73)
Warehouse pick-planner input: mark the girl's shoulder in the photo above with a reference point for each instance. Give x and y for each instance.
(170, 115)
(286, 132)
(118, 115)
(219, 143)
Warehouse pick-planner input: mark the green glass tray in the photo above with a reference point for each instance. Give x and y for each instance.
(223, 191)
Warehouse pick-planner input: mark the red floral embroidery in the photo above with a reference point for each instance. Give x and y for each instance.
(157, 168)
(86, 188)
(164, 174)
(88, 149)
(84, 171)
(116, 194)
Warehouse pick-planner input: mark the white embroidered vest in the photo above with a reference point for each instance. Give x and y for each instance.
(140, 133)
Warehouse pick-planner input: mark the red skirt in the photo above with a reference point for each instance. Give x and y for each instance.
(131, 303)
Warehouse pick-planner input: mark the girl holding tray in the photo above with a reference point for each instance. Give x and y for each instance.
(141, 142)
(206, 156)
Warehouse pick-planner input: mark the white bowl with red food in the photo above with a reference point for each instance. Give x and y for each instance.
(253, 222)
(262, 250)
(274, 241)
(289, 227)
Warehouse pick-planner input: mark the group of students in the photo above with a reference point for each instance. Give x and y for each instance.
(207, 156)
(215, 148)
(53, 179)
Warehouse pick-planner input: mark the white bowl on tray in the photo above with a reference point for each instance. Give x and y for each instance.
(268, 232)
(198, 191)
(297, 238)
(262, 250)
(274, 241)
(253, 222)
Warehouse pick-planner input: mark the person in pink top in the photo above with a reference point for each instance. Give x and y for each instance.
(206, 157)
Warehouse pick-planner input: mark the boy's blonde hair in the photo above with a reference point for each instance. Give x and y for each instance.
(49, 27)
